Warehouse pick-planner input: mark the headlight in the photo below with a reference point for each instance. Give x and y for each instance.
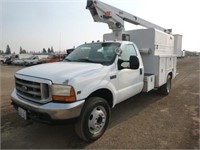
(63, 93)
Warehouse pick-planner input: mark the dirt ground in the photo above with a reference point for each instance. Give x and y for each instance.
(145, 121)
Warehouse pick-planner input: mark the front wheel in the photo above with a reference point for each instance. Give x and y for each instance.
(165, 89)
(93, 120)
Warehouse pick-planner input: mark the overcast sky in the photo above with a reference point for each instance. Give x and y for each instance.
(38, 24)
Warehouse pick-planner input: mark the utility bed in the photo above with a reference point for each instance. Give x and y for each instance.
(157, 51)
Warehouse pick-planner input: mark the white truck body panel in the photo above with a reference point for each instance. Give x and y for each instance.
(160, 66)
(149, 82)
(159, 43)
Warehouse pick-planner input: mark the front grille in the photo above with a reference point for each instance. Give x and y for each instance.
(33, 91)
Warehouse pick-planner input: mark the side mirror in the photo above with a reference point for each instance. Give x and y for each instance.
(134, 62)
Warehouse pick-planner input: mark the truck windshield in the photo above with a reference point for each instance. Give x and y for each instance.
(103, 53)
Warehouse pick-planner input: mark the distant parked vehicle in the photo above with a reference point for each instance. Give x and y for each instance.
(19, 59)
(8, 59)
(18, 62)
(55, 58)
(33, 60)
(2, 59)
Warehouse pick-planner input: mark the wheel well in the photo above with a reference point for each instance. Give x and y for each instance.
(170, 73)
(105, 94)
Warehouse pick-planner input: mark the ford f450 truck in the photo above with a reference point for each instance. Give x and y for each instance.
(96, 76)
(87, 84)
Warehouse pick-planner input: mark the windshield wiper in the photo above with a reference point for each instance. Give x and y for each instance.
(66, 59)
(86, 60)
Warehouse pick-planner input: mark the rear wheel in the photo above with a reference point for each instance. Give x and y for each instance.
(165, 89)
(93, 120)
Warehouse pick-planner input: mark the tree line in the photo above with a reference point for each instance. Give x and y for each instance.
(23, 51)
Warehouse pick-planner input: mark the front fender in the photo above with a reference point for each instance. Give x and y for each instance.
(94, 85)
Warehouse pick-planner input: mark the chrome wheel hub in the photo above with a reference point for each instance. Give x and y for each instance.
(97, 120)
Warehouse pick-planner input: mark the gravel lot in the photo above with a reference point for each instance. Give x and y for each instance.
(145, 121)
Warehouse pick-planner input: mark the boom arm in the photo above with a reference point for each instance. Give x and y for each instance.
(115, 17)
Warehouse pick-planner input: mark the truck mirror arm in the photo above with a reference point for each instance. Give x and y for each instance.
(119, 64)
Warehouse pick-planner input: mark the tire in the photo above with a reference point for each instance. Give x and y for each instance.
(165, 89)
(93, 120)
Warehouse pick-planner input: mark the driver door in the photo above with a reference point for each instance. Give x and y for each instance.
(130, 82)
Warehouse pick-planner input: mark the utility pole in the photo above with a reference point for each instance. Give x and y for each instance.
(60, 42)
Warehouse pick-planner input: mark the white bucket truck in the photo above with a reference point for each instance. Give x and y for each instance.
(96, 76)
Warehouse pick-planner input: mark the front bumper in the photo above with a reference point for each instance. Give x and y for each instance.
(55, 111)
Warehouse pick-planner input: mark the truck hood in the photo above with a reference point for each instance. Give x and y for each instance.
(59, 72)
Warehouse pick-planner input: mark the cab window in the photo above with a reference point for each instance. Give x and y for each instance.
(127, 51)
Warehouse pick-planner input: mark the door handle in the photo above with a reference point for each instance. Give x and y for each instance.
(140, 71)
(113, 77)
